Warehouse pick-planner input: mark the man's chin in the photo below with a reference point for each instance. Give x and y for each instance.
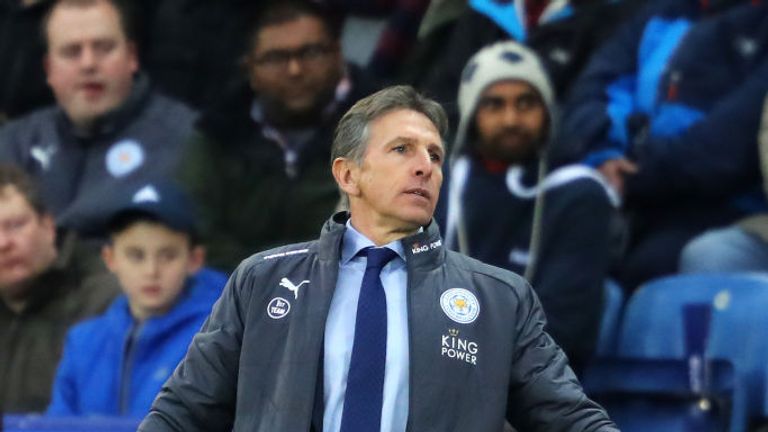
(415, 221)
(15, 285)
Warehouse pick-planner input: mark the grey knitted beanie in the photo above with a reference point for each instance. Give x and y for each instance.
(501, 61)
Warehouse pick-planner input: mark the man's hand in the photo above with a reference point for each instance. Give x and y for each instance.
(615, 170)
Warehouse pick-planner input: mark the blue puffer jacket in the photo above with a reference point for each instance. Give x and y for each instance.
(102, 374)
(679, 90)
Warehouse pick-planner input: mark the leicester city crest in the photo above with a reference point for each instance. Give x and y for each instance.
(460, 305)
(124, 157)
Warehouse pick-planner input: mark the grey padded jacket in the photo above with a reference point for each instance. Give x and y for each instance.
(256, 364)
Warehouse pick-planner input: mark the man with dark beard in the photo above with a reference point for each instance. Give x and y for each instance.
(258, 168)
(505, 209)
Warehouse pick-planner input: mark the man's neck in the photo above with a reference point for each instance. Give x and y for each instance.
(84, 129)
(380, 234)
(16, 303)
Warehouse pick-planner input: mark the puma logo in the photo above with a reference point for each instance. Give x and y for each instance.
(284, 282)
(43, 155)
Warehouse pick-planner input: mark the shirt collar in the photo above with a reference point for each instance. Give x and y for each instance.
(354, 241)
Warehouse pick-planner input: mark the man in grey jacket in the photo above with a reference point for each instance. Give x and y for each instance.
(289, 346)
(109, 130)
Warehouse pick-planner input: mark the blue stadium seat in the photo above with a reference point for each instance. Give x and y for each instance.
(613, 306)
(658, 378)
(668, 318)
(37, 423)
(737, 352)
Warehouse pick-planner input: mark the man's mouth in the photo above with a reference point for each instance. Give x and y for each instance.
(10, 263)
(419, 192)
(151, 290)
(92, 88)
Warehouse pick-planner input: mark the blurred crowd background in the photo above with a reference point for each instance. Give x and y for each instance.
(597, 146)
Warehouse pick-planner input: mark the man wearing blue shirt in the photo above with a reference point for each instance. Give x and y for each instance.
(375, 326)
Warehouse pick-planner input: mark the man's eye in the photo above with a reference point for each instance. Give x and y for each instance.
(134, 255)
(104, 46)
(70, 51)
(436, 157)
(18, 224)
(168, 255)
(491, 104)
(399, 149)
(526, 103)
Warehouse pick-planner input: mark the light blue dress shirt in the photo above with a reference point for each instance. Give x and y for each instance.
(340, 334)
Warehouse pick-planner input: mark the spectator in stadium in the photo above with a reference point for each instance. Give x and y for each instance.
(742, 247)
(109, 129)
(562, 33)
(504, 210)
(115, 364)
(668, 110)
(258, 169)
(48, 282)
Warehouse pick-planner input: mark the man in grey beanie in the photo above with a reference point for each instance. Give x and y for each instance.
(506, 209)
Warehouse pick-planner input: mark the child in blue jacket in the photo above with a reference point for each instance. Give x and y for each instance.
(115, 364)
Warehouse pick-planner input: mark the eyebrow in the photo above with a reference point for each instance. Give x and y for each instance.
(409, 140)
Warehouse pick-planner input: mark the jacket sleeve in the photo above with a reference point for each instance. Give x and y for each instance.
(64, 395)
(201, 393)
(572, 265)
(602, 100)
(544, 392)
(714, 158)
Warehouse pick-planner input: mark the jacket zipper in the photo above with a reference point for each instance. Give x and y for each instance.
(129, 351)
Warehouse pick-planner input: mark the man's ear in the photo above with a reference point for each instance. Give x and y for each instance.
(108, 256)
(346, 173)
(133, 53)
(196, 260)
(49, 225)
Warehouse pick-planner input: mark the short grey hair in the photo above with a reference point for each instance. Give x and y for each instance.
(351, 138)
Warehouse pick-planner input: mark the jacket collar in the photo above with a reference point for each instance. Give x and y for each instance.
(423, 250)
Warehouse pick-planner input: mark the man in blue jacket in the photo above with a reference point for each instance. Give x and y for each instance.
(668, 111)
(375, 326)
(115, 364)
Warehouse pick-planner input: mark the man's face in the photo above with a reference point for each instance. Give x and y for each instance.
(27, 242)
(90, 63)
(152, 263)
(294, 68)
(397, 185)
(511, 120)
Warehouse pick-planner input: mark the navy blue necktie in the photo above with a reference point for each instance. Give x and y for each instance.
(365, 380)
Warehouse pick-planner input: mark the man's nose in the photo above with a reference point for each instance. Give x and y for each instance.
(423, 164)
(152, 266)
(294, 66)
(510, 116)
(88, 58)
(5, 240)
